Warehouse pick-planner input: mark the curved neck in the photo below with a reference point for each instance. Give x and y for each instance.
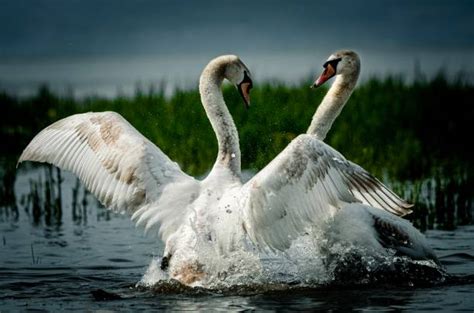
(332, 104)
(213, 101)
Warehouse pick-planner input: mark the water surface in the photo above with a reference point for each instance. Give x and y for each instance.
(86, 258)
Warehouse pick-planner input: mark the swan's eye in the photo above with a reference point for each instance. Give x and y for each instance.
(247, 79)
(333, 62)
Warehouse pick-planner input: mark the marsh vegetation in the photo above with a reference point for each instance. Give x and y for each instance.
(413, 136)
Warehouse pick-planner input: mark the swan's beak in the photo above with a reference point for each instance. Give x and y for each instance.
(329, 71)
(244, 89)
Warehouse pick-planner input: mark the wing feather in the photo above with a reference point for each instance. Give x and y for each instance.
(124, 170)
(304, 184)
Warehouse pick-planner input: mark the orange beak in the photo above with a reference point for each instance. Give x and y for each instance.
(244, 89)
(329, 71)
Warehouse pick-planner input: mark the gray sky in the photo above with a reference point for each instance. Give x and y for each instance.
(105, 46)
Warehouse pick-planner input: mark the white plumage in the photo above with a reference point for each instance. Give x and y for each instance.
(123, 169)
(309, 184)
(306, 184)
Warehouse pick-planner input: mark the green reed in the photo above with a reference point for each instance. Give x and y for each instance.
(405, 130)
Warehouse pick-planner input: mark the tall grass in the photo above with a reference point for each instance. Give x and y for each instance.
(405, 131)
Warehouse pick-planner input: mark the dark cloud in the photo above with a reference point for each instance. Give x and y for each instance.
(83, 29)
(57, 27)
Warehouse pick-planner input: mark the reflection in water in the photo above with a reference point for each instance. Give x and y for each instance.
(8, 205)
(440, 202)
(79, 208)
(44, 200)
(42, 196)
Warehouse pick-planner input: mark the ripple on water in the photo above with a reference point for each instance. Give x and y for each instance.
(119, 260)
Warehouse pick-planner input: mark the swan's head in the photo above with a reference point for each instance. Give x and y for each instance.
(238, 74)
(230, 67)
(343, 62)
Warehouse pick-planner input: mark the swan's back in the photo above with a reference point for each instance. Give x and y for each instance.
(366, 227)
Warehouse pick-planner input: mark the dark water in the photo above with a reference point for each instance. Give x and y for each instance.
(79, 256)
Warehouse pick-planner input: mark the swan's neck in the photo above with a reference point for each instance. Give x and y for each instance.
(213, 101)
(332, 105)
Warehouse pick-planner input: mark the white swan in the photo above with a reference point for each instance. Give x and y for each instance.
(128, 173)
(309, 184)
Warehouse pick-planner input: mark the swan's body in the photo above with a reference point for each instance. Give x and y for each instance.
(128, 173)
(362, 226)
(307, 185)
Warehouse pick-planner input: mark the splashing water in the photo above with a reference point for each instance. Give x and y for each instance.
(311, 262)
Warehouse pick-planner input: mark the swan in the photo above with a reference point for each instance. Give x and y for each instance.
(311, 185)
(128, 173)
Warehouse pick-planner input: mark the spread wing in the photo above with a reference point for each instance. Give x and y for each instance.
(123, 169)
(305, 183)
